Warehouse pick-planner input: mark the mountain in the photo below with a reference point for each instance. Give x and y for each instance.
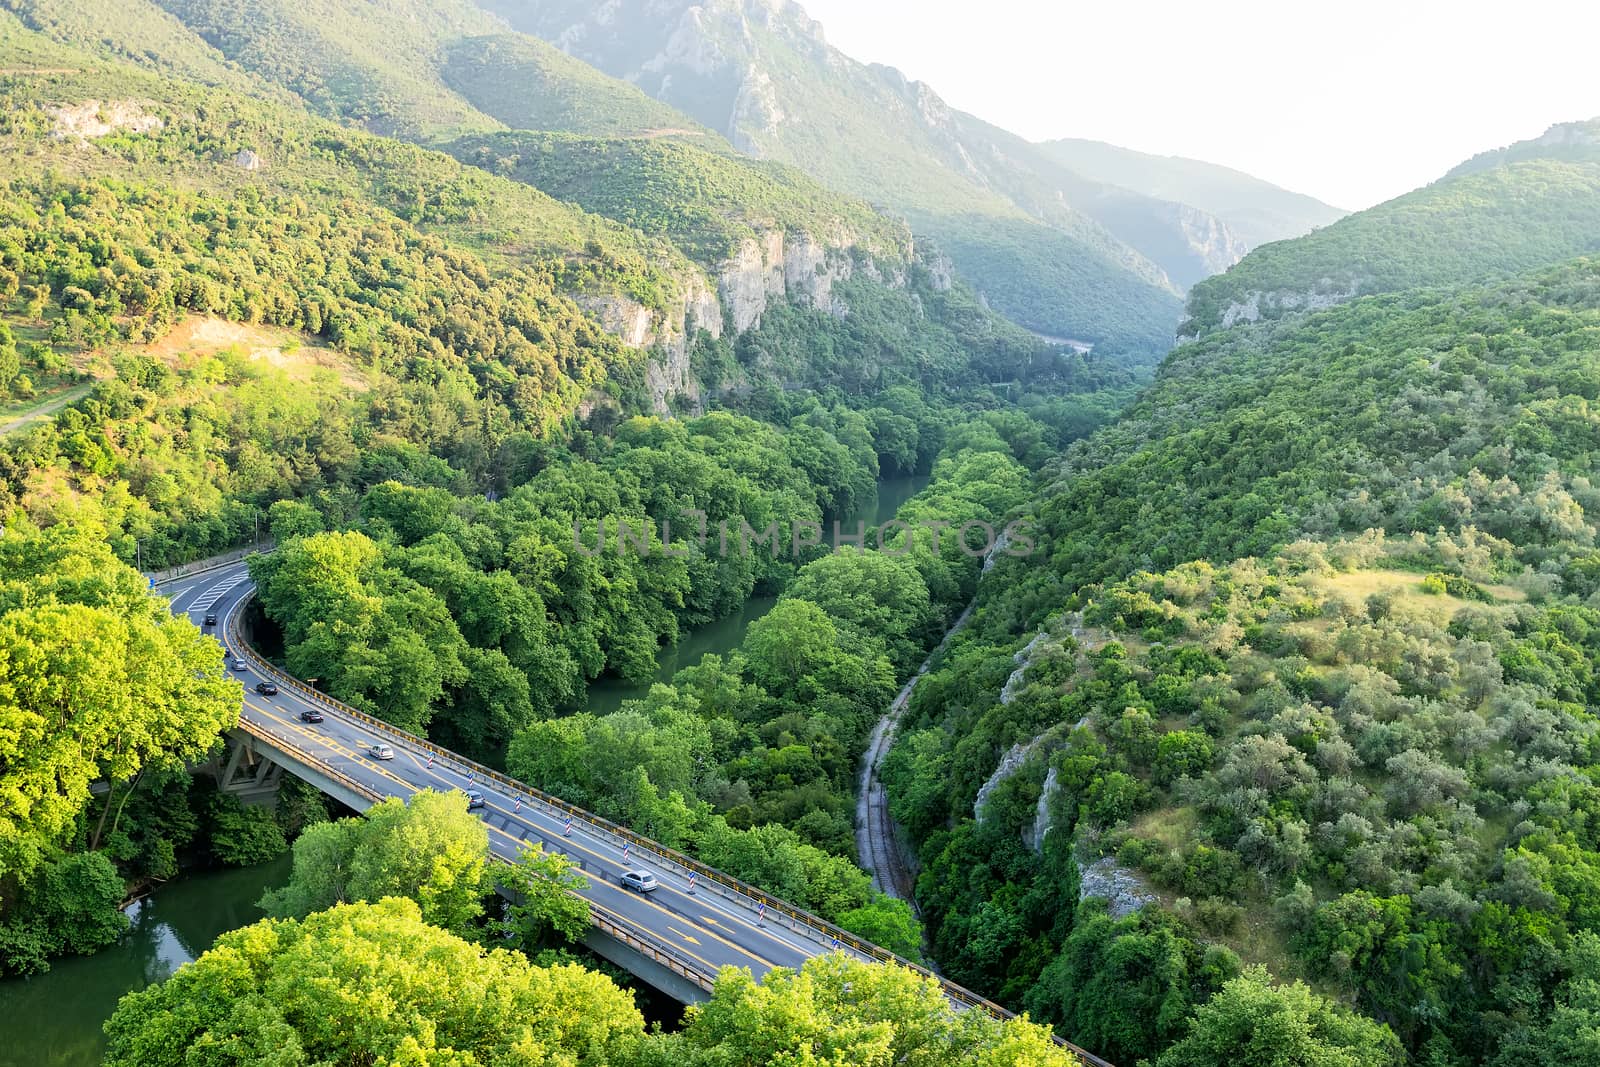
(1574, 142)
(1022, 228)
(1257, 212)
(1503, 212)
(1314, 624)
(443, 73)
(627, 290)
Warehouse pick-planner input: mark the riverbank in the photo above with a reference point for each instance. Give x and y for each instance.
(605, 695)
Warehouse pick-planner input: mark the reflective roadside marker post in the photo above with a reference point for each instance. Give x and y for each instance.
(761, 913)
(692, 877)
(836, 944)
(625, 846)
(566, 830)
(430, 761)
(519, 805)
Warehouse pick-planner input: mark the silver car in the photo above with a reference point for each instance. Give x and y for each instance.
(639, 881)
(380, 751)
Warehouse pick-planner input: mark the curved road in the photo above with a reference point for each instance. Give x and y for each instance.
(711, 922)
(706, 926)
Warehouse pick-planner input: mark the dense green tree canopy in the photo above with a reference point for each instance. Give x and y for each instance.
(97, 681)
(429, 849)
(372, 983)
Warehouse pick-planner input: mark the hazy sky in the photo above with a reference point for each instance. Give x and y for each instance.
(1352, 101)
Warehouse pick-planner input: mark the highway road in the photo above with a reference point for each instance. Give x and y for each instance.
(698, 918)
(704, 925)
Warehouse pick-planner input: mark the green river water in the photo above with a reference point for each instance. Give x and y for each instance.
(606, 695)
(55, 1019)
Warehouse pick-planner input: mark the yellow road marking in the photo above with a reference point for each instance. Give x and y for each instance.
(330, 743)
(574, 844)
(680, 933)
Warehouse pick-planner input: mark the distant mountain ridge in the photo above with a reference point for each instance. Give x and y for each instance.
(763, 75)
(1256, 211)
(1057, 252)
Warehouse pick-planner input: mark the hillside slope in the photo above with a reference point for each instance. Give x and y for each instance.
(1308, 662)
(764, 76)
(1574, 142)
(1488, 219)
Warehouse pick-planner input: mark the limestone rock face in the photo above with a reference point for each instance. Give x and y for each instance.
(796, 267)
(1033, 836)
(1258, 305)
(92, 118)
(1118, 885)
(1010, 764)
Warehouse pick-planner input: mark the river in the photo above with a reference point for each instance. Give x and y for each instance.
(606, 694)
(55, 1018)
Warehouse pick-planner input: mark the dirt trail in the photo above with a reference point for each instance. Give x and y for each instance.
(49, 407)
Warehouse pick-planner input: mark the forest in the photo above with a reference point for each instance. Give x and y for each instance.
(1311, 666)
(1277, 748)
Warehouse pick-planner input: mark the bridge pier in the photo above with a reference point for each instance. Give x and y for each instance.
(247, 770)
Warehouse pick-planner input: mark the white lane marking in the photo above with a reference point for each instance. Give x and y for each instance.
(216, 593)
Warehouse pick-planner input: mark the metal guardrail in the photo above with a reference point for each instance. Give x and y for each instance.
(825, 934)
(636, 937)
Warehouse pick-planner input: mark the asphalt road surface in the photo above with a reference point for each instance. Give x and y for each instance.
(712, 928)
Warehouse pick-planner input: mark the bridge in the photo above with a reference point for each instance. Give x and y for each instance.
(677, 938)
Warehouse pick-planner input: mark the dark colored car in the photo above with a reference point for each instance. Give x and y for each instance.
(311, 715)
(267, 689)
(211, 618)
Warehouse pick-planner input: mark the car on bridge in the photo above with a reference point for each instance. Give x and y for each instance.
(311, 715)
(380, 751)
(267, 689)
(639, 881)
(211, 618)
(238, 664)
(474, 799)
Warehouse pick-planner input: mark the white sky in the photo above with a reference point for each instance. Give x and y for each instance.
(1352, 102)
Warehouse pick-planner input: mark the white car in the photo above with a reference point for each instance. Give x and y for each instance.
(380, 751)
(639, 881)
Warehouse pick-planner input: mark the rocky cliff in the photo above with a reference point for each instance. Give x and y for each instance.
(1257, 305)
(794, 268)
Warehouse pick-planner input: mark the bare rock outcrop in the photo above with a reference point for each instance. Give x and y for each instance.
(92, 118)
(1120, 887)
(1012, 762)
